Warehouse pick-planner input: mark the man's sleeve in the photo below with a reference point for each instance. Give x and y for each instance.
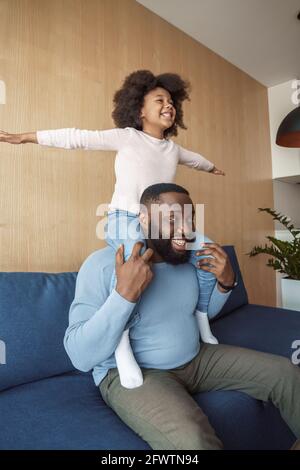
(217, 301)
(97, 319)
(193, 160)
(72, 138)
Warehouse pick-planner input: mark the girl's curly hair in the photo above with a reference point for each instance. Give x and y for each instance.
(129, 99)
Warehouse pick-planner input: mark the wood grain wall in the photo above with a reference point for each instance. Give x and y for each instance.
(62, 60)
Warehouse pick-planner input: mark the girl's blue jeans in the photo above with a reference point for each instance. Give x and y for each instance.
(123, 227)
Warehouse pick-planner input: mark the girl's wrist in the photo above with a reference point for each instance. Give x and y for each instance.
(19, 139)
(28, 137)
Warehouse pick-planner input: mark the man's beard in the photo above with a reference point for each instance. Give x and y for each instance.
(164, 248)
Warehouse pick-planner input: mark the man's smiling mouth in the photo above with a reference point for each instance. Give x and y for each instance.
(178, 244)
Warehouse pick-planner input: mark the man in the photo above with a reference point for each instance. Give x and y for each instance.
(165, 338)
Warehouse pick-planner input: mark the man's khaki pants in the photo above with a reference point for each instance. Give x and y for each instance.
(163, 413)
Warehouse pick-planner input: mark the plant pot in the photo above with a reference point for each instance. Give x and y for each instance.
(290, 290)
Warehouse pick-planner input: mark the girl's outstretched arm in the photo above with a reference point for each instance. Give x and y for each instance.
(196, 161)
(72, 138)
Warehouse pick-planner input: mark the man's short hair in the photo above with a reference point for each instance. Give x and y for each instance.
(152, 193)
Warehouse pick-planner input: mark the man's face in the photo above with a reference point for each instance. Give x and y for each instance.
(172, 226)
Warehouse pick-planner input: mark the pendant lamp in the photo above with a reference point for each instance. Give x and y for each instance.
(288, 134)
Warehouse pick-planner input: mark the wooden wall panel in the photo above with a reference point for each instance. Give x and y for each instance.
(61, 62)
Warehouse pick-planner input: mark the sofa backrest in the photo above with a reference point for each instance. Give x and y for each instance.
(238, 296)
(34, 310)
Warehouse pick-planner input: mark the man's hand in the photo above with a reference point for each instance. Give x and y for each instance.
(220, 266)
(216, 171)
(134, 275)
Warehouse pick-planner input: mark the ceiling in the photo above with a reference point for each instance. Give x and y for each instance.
(261, 37)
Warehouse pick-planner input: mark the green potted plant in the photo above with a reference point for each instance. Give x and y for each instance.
(285, 259)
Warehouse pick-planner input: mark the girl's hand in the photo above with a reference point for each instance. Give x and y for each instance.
(215, 171)
(10, 138)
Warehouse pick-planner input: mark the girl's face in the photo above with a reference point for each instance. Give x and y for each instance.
(158, 109)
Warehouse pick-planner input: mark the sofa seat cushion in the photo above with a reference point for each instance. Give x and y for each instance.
(68, 412)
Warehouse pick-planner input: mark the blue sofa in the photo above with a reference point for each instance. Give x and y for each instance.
(46, 404)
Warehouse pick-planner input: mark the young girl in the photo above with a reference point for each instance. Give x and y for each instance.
(147, 112)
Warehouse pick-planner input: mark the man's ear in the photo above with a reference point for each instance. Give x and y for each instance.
(143, 219)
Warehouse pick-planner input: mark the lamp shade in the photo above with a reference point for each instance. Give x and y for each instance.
(288, 134)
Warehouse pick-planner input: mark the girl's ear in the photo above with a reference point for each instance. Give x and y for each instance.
(142, 112)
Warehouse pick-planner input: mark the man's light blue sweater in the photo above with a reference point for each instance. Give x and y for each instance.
(164, 333)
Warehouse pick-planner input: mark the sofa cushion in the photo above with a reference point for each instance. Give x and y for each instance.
(68, 412)
(33, 318)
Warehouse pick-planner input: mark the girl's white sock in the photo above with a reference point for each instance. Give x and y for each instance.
(129, 371)
(203, 323)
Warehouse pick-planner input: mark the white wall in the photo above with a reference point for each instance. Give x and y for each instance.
(287, 201)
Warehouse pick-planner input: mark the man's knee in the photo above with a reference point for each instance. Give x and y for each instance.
(285, 368)
(283, 372)
(291, 372)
